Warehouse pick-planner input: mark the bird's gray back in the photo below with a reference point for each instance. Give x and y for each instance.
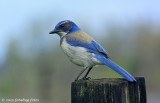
(79, 35)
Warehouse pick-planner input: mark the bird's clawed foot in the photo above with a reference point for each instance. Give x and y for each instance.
(76, 80)
(88, 78)
(84, 78)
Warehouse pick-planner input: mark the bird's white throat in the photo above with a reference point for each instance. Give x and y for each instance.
(61, 34)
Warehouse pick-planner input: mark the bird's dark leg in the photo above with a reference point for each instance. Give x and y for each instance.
(80, 74)
(84, 78)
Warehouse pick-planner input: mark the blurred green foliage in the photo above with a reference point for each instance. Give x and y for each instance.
(36, 67)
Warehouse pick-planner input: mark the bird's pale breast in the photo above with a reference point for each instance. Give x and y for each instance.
(77, 55)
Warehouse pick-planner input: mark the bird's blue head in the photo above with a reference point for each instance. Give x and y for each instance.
(65, 27)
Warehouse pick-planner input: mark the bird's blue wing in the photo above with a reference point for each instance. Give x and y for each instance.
(100, 48)
(92, 47)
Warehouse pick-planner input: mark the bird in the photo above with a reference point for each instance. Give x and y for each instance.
(84, 51)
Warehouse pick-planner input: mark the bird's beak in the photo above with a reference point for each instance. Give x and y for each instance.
(54, 31)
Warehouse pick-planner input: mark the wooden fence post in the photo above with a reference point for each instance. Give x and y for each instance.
(111, 90)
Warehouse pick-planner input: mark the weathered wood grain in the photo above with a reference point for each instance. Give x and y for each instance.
(111, 90)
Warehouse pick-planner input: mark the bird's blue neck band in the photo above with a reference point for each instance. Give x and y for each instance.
(74, 29)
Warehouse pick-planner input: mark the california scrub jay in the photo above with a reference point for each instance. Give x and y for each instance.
(83, 50)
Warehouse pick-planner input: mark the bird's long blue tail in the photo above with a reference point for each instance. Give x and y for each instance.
(116, 68)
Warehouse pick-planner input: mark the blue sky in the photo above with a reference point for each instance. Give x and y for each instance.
(17, 14)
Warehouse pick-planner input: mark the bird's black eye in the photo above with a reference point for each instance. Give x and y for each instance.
(65, 27)
(62, 25)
